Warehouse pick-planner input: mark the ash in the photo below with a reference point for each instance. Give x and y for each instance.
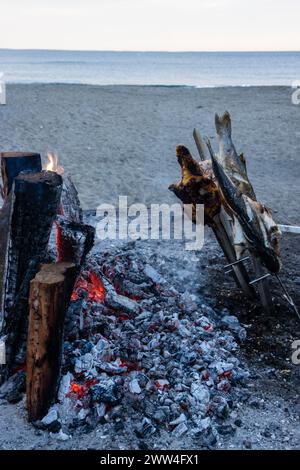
(144, 360)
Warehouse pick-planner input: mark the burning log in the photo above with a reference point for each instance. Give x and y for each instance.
(25, 225)
(74, 240)
(70, 204)
(14, 163)
(50, 293)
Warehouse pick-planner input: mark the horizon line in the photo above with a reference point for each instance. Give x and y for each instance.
(187, 51)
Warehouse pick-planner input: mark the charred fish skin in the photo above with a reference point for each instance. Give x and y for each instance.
(234, 164)
(238, 205)
(227, 151)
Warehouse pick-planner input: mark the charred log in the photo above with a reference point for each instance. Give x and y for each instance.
(14, 163)
(74, 240)
(25, 225)
(70, 205)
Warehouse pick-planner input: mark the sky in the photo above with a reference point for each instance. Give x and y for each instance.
(165, 25)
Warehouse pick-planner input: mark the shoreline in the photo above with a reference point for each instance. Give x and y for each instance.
(196, 87)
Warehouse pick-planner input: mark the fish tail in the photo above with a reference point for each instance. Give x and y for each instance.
(223, 124)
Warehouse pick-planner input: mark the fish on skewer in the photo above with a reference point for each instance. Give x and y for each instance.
(198, 185)
(233, 164)
(261, 231)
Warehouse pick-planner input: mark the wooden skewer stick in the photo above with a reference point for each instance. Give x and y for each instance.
(200, 145)
(239, 270)
(223, 233)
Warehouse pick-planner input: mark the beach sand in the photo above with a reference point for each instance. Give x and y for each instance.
(120, 140)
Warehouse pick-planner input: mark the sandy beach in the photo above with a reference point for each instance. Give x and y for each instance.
(120, 140)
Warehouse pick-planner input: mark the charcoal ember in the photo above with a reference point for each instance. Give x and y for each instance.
(117, 301)
(145, 429)
(134, 386)
(60, 436)
(84, 363)
(226, 429)
(200, 392)
(64, 386)
(12, 390)
(83, 345)
(154, 275)
(232, 323)
(50, 417)
(188, 302)
(132, 290)
(116, 367)
(109, 393)
(179, 420)
(160, 416)
(207, 439)
(146, 353)
(201, 425)
(220, 407)
(54, 427)
(180, 430)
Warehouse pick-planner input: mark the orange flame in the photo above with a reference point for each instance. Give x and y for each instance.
(52, 164)
(93, 285)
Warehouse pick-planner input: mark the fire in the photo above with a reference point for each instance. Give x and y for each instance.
(52, 164)
(80, 390)
(93, 285)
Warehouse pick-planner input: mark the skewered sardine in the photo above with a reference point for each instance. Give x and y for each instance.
(261, 231)
(233, 164)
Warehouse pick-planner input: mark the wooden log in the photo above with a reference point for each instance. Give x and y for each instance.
(14, 163)
(50, 293)
(74, 240)
(29, 212)
(70, 205)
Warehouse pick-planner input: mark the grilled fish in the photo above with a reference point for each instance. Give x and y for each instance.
(261, 231)
(233, 164)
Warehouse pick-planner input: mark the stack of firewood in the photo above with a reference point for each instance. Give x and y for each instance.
(34, 294)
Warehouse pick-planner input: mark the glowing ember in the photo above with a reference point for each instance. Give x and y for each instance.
(93, 285)
(52, 164)
(80, 390)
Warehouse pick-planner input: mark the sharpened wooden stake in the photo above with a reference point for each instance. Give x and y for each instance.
(239, 271)
(200, 145)
(50, 293)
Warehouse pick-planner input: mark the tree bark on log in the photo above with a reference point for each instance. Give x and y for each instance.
(30, 212)
(13, 163)
(50, 293)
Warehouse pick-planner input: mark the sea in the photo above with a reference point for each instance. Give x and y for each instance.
(194, 69)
